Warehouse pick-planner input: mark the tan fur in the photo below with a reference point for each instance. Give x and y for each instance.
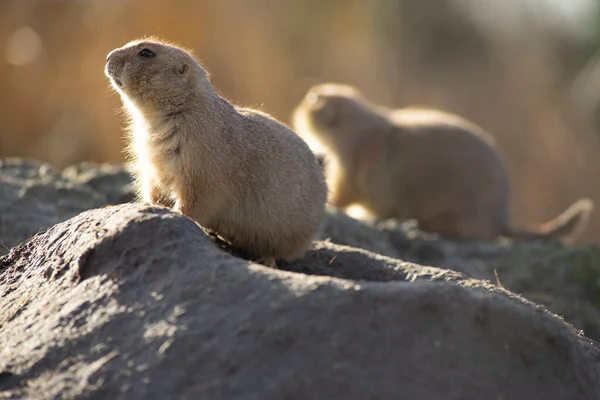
(236, 171)
(424, 164)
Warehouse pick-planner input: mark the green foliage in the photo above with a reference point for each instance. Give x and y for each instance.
(579, 266)
(584, 269)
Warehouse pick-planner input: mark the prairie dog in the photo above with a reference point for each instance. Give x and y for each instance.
(237, 172)
(429, 165)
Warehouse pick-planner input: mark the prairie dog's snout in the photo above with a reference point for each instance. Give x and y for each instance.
(113, 66)
(109, 54)
(311, 97)
(315, 108)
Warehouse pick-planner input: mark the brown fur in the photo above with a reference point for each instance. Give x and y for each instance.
(236, 171)
(416, 163)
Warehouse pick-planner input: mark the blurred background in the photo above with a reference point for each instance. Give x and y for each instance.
(526, 70)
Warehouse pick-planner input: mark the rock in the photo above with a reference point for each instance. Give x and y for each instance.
(135, 301)
(34, 196)
(566, 279)
(113, 181)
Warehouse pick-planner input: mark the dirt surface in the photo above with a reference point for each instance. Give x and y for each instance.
(35, 196)
(135, 301)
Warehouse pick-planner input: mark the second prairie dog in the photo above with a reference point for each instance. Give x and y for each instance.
(236, 171)
(418, 164)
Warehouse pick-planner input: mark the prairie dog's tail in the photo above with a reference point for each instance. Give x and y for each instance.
(565, 228)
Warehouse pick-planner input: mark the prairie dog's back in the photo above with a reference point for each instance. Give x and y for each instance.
(417, 120)
(274, 145)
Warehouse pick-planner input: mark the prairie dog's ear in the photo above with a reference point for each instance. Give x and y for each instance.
(183, 69)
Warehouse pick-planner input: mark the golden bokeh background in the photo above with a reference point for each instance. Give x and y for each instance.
(525, 70)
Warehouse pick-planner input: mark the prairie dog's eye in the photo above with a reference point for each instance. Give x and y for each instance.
(146, 53)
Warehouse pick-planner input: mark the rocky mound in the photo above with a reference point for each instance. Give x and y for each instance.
(35, 196)
(134, 301)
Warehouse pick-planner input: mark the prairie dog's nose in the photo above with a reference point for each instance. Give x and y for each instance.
(109, 55)
(312, 97)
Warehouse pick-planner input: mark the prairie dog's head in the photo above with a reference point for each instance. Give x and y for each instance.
(155, 76)
(330, 114)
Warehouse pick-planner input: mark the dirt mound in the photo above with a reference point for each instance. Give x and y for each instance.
(135, 301)
(35, 196)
